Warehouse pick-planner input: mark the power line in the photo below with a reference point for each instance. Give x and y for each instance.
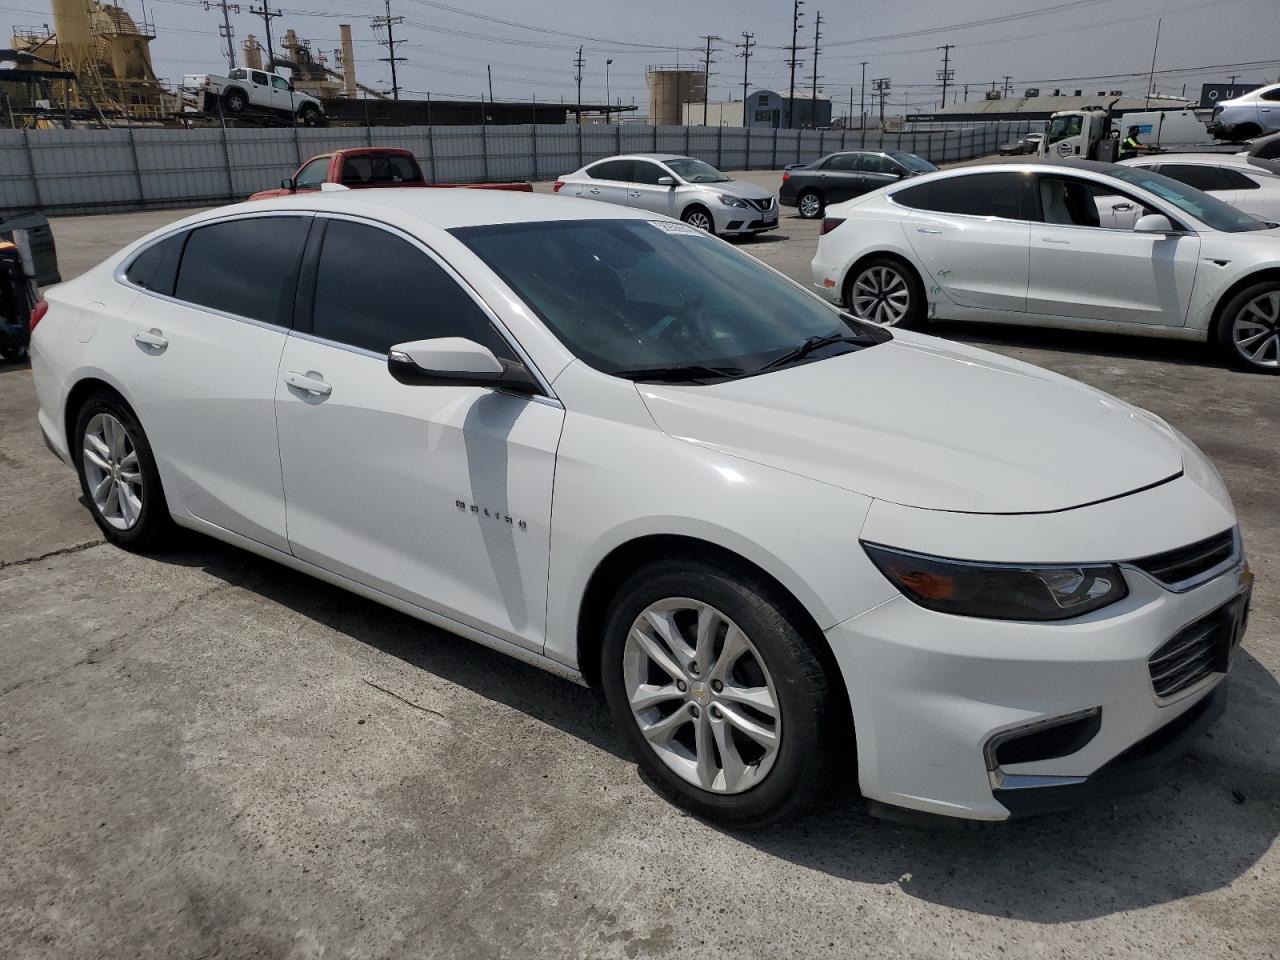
(386, 25)
(795, 33)
(224, 29)
(267, 15)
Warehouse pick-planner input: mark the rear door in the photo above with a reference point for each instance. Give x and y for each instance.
(1082, 269)
(645, 192)
(260, 89)
(1215, 181)
(971, 233)
(608, 180)
(206, 335)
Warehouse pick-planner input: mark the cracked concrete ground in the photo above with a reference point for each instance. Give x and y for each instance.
(203, 755)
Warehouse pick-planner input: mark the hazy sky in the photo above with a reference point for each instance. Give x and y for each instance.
(1036, 42)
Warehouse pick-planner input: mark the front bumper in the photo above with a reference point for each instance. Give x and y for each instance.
(737, 221)
(930, 691)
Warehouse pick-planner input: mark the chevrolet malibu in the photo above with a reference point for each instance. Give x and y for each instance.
(786, 543)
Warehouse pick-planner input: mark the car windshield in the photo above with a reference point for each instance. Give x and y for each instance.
(695, 171)
(639, 298)
(913, 163)
(1208, 210)
(1062, 127)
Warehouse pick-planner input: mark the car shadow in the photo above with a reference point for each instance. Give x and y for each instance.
(11, 366)
(1120, 346)
(1206, 824)
(758, 238)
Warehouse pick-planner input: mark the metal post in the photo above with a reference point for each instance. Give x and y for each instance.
(720, 144)
(431, 149)
(226, 158)
(655, 137)
(484, 145)
(533, 142)
(686, 141)
(747, 165)
(617, 138)
(773, 163)
(31, 162)
(579, 144)
(137, 168)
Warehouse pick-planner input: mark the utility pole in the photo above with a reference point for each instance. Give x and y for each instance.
(1008, 86)
(966, 93)
(848, 124)
(813, 97)
(577, 76)
(386, 25)
(748, 41)
(489, 70)
(1151, 80)
(795, 35)
(267, 15)
(862, 105)
(706, 76)
(881, 87)
(225, 30)
(607, 64)
(946, 74)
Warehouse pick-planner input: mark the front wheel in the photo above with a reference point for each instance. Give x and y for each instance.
(810, 205)
(699, 219)
(1249, 328)
(719, 691)
(118, 474)
(309, 115)
(885, 291)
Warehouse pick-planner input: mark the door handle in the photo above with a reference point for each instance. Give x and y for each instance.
(633, 193)
(1064, 243)
(151, 338)
(930, 231)
(1122, 206)
(594, 190)
(312, 385)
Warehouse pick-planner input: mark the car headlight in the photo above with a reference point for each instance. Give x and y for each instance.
(729, 201)
(1000, 591)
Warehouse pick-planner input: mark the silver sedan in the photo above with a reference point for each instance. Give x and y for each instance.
(683, 187)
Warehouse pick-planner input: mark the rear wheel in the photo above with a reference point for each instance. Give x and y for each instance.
(721, 695)
(1248, 330)
(699, 219)
(1246, 131)
(118, 474)
(235, 101)
(810, 205)
(885, 291)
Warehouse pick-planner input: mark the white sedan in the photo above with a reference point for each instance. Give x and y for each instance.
(1029, 243)
(619, 449)
(1243, 182)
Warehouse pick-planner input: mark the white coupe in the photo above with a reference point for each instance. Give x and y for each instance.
(1070, 243)
(785, 542)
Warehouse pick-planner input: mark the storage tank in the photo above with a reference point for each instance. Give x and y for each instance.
(73, 21)
(669, 89)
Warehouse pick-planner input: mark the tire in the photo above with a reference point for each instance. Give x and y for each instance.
(1246, 131)
(871, 295)
(1248, 328)
(235, 101)
(700, 219)
(13, 354)
(810, 205)
(758, 785)
(309, 115)
(140, 522)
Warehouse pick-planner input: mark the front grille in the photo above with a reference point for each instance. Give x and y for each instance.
(1197, 650)
(766, 204)
(1176, 568)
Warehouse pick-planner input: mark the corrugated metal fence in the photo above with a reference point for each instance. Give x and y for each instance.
(87, 171)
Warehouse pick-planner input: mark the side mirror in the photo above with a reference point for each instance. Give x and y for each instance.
(457, 362)
(1153, 223)
(666, 181)
(288, 184)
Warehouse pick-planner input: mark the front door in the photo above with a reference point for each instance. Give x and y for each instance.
(839, 179)
(282, 97)
(877, 171)
(1083, 269)
(647, 193)
(436, 495)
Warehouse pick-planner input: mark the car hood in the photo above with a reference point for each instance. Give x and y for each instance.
(737, 188)
(928, 424)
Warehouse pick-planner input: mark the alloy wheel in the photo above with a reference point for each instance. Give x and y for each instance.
(881, 295)
(698, 220)
(810, 205)
(1255, 331)
(113, 472)
(701, 695)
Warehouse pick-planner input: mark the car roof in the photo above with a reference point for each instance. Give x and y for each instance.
(1244, 163)
(660, 157)
(442, 208)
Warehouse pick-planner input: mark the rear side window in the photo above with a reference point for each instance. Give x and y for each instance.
(976, 195)
(374, 290)
(244, 267)
(846, 162)
(381, 169)
(156, 267)
(1197, 175)
(611, 170)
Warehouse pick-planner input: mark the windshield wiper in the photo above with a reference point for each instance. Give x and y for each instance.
(680, 373)
(812, 344)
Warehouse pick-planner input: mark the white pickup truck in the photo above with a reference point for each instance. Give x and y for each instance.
(246, 89)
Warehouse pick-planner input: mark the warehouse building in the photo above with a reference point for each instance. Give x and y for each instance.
(764, 108)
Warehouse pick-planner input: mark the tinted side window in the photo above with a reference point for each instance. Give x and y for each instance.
(877, 163)
(156, 267)
(846, 162)
(380, 168)
(611, 170)
(258, 77)
(1238, 181)
(1196, 175)
(645, 172)
(313, 174)
(1271, 94)
(979, 195)
(245, 267)
(374, 290)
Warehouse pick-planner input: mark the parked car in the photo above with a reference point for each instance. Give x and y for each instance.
(31, 229)
(1266, 149)
(16, 301)
(1025, 243)
(1247, 116)
(784, 541)
(362, 168)
(1023, 145)
(1243, 182)
(809, 187)
(682, 187)
(245, 89)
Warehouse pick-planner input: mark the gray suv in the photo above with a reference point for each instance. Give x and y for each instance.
(692, 190)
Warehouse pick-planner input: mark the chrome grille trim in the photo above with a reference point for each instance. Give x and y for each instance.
(1185, 568)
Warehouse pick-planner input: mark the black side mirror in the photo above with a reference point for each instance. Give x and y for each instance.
(456, 361)
(288, 184)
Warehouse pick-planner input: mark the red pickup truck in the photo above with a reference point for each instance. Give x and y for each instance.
(368, 167)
